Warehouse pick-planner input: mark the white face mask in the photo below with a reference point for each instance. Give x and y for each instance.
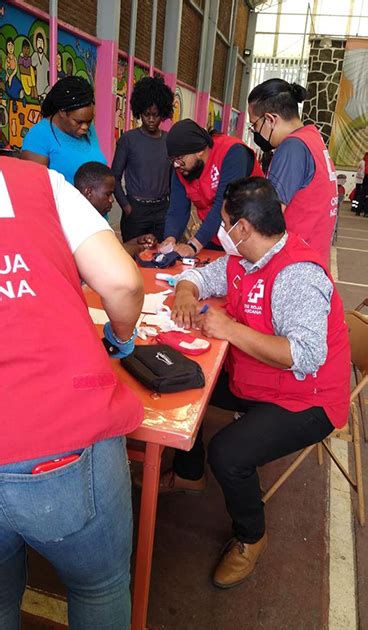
(227, 242)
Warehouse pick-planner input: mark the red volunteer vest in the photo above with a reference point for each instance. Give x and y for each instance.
(312, 211)
(249, 302)
(58, 389)
(202, 191)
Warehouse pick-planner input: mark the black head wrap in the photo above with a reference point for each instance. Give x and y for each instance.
(68, 94)
(187, 137)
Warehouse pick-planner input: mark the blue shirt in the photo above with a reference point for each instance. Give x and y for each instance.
(64, 152)
(292, 168)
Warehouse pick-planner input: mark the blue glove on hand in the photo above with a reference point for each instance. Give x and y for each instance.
(116, 348)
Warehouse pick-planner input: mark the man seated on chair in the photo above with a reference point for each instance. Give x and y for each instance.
(288, 366)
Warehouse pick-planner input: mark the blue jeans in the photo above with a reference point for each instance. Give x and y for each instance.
(79, 517)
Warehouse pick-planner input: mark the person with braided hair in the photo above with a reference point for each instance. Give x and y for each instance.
(65, 138)
(301, 169)
(141, 155)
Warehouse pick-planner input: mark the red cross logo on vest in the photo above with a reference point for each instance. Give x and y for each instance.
(257, 292)
(215, 176)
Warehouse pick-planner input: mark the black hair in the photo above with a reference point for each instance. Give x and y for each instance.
(277, 96)
(25, 42)
(91, 174)
(152, 91)
(67, 94)
(255, 199)
(9, 40)
(40, 36)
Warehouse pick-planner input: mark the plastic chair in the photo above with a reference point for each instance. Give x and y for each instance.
(358, 335)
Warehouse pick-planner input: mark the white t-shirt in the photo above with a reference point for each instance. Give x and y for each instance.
(79, 219)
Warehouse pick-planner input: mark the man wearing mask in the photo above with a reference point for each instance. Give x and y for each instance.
(288, 366)
(301, 169)
(204, 165)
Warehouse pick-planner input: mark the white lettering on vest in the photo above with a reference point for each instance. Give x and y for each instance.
(8, 291)
(214, 176)
(6, 207)
(11, 292)
(25, 288)
(18, 263)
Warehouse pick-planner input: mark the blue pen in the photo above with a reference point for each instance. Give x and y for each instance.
(204, 309)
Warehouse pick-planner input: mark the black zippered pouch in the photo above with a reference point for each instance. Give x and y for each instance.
(163, 369)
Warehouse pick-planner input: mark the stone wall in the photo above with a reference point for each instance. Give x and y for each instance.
(324, 72)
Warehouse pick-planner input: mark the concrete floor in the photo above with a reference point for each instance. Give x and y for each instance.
(314, 574)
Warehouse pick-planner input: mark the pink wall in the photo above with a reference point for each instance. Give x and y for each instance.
(107, 54)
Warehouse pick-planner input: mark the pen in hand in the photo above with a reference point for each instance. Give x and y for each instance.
(204, 309)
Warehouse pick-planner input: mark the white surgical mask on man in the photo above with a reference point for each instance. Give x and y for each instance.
(227, 242)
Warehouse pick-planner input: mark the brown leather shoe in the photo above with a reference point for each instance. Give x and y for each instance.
(171, 483)
(238, 561)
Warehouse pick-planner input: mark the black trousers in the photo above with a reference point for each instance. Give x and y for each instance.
(361, 198)
(264, 433)
(144, 218)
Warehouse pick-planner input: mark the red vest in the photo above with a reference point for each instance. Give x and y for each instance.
(58, 391)
(312, 211)
(202, 191)
(249, 302)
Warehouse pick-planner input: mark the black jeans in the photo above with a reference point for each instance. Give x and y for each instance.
(144, 218)
(361, 198)
(264, 433)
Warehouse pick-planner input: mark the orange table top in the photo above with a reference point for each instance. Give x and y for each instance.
(171, 419)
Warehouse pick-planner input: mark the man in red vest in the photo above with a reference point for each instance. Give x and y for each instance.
(288, 367)
(204, 165)
(301, 168)
(64, 475)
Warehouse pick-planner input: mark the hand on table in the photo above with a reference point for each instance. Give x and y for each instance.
(167, 246)
(215, 323)
(147, 240)
(185, 250)
(185, 311)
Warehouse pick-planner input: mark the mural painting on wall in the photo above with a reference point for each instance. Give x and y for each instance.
(214, 119)
(349, 137)
(233, 122)
(24, 70)
(121, 90)
(178, 105)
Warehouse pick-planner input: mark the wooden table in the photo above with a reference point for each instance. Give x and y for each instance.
(170, 420)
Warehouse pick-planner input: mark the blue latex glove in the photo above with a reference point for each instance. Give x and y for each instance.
(119, 350)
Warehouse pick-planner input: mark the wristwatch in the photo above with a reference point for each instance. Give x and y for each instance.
(194, 248)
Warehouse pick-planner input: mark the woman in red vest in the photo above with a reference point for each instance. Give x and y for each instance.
(288, 367)
(301, 169)
(64, 474)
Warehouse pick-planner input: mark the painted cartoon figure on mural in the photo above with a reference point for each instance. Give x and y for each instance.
(41, 64)
(13, 86)
(59, 66)
(25, 69)
(121, 90)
